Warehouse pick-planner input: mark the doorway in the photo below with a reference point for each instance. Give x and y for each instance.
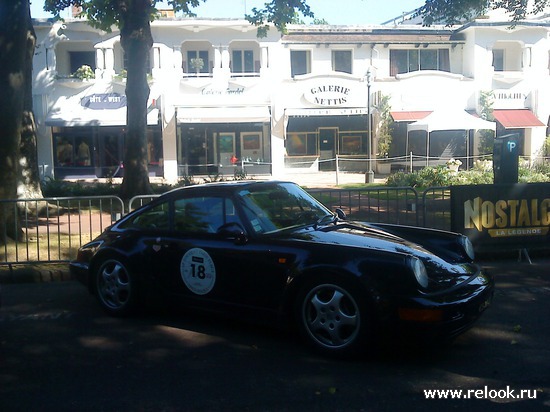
(328, 139)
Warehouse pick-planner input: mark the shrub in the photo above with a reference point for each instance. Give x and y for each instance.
(84, 72)
(480, 174)
(426, 177)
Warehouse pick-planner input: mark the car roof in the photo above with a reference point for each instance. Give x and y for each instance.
(220, 188)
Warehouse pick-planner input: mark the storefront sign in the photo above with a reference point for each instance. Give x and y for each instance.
(330, 94)
(209, 91)
(102, 101)
(516, 216)
(510, 99)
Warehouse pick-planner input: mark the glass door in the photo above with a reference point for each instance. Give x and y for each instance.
(328, 138)
(226, 149)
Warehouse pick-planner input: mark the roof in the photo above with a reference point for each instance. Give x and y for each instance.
(369, 34)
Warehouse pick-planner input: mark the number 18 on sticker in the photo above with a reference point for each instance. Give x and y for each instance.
(198, 271)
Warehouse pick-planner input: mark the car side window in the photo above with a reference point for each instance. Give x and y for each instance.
(156, 217)
(203, 214)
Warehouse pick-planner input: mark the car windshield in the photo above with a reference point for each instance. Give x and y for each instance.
(282, 206)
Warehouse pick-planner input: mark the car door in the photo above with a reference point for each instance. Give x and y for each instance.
(195, 262)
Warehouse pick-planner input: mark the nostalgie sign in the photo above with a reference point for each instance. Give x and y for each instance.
(513, 216)
(102, 101)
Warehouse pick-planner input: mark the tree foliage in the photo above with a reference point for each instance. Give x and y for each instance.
(133, 18)
(460, 11)
(279, 13)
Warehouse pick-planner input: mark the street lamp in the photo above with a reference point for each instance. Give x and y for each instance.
(369, 176)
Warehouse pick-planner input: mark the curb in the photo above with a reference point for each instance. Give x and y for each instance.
(33, 274)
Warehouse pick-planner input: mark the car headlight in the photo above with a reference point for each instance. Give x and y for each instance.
(419, 270)
(468, 246)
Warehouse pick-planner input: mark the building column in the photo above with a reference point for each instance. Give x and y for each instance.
(178, 60)
(264, 60)
(99, 63)
(109, 55)
(169, 143)
(221, 64)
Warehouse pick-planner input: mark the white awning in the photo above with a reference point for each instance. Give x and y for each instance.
(450, 120)
(100, 104)
(248, 114)
(80, 116)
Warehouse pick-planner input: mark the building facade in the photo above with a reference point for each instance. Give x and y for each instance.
(222, 99)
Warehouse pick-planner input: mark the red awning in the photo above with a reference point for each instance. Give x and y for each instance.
(409, 116)
(516, 118)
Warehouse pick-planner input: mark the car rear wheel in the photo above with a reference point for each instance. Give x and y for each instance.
(332, 318)
(116, 287)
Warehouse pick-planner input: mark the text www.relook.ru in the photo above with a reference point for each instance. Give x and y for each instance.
(484, 393)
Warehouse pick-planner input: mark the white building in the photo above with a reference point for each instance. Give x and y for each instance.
(221, 97)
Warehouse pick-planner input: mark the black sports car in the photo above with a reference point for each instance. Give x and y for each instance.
(269, 250)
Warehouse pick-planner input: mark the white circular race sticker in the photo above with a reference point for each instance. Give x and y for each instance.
(198, 271)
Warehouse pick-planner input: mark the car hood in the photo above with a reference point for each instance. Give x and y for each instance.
(356, 234)
(437, 259)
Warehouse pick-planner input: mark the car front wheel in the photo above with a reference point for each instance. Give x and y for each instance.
(332, 318)
(116, 287)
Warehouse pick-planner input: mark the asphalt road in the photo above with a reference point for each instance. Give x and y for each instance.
(60, 352)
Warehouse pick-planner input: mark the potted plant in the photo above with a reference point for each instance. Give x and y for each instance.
(453, 164)
(84, 73)
(197, 64)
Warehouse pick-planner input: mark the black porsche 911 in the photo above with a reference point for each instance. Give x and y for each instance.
(269, 250)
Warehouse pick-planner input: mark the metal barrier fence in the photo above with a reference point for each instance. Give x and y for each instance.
(396, 205)
(51, 230)
(436, 208)
(138, 201)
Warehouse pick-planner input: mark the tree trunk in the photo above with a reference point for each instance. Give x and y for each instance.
(13, 38)
(29, 178)
(136, 40)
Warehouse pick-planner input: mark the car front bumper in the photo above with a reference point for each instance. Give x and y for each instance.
(446, 314)
(79, 271)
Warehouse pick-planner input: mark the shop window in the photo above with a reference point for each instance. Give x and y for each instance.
(342, 61)
(350, 145)
(197, 61)
(406, 61)
(83, 153)
(64, 151)
(301, 144)
(300, 62)
(73, 149)
(154, 147)
(242, 61)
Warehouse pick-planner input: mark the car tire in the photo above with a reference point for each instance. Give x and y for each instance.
(116, 287)
(333, 318)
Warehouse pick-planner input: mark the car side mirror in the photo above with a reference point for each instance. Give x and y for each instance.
(341, 214)
(233, 230)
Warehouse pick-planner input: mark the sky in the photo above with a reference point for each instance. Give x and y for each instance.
(338, 12)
